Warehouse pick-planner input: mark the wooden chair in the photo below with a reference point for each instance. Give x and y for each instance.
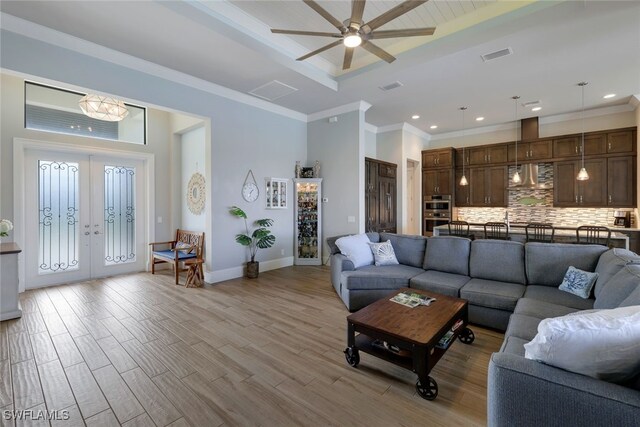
(496, 230)
(459, 229)
(539, 232)
(187, 245)
(593, 235)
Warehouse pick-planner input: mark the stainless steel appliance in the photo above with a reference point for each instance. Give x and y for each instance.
(436, 211)
(622, 219)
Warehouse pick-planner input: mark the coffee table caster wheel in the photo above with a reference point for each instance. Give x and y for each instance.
(466, 336)
(352, 355)
(429, 391)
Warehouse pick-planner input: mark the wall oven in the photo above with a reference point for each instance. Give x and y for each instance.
(436, 211)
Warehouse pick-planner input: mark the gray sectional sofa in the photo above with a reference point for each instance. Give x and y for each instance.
(511, 287)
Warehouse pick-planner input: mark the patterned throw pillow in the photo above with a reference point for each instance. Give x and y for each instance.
(578, 282)
(383, 253)
(187, 247)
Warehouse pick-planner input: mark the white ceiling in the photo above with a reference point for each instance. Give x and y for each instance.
(556, 45)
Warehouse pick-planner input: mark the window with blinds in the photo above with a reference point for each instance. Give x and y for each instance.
(56, 110)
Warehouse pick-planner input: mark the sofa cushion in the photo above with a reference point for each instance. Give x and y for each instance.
(578, 282)
(619, 287)
(521, 326)
(409, 249)
(333, 248)
(357, 249)
(610, 263)
(169, 254)
(440, 282)
(513, 345)
(499, 260)
(448, 254)
(548, 262)
(492, 294)
(632, 299)
(556, 296)
(383, 277)
(541, 309)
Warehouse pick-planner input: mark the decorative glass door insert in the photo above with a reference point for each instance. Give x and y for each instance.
(119, 214)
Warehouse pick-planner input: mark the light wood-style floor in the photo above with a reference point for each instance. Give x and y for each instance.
(139, 351)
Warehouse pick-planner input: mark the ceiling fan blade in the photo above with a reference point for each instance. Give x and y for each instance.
(410, 32)
(395, 12)
(357, 9)
(348, 56)
(306, 33)
(326, 15)
(380, 53)
(322, 49)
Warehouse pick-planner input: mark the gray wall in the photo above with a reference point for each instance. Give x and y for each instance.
(242, 138)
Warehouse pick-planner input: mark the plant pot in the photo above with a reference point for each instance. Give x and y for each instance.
(253, 268)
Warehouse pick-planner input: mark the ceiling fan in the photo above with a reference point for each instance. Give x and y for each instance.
(354, 32)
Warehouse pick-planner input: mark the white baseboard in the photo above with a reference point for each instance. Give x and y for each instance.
(235, 272)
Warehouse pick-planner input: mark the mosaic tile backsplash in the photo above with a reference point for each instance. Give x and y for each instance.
(531, 205)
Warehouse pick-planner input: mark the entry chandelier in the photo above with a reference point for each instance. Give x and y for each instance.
(582, 175)
(103, 108)
(516, 175)
(463, 180)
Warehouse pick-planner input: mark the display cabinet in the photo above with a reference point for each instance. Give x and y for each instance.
(276, 193)
(308, 221)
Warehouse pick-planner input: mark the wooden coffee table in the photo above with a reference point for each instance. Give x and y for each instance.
(414, 331)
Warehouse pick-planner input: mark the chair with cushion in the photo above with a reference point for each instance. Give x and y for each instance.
(496, 230)
(593, 234)
(539, 232)
(459, 229)
(187, 245)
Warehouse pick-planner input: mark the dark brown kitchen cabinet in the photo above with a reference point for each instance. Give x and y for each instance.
(569, 192)
(536, 150)
(437, 181)
(621, 176)
(594, 144)
(462, 191)
(620, 142)
(440, 158)
(380, 195)
(488, 186)
(488, 154)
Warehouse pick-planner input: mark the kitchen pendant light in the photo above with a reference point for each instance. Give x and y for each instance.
(583, 175)
(516, 175)
(463, 180)
(103, 108)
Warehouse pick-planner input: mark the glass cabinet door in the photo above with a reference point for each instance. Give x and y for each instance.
(308, 222)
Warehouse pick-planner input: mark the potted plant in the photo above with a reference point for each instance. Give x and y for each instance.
(260, 238)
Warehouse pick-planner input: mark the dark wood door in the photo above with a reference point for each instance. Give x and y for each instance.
(593, 192)
(621, 181)
(371, 195)
(595, 144)
(540, 150)
(565, 189)
(387, 202)
(445, 158)
(523, 149)
(497, 154)
(460, 155)
(429, 182)
(497, 188)
(429, 159)
(620, 142)
(477, 187)
(445, 176)
(477, 156)
(566, 147)
(462, 191)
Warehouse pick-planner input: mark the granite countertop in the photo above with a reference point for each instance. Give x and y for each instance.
(559, 230)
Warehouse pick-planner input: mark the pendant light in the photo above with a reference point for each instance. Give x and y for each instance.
(582, 175)
(463, 180)
(516, 175)
(103, 108)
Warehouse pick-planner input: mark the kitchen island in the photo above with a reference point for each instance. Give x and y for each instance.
(563, 234)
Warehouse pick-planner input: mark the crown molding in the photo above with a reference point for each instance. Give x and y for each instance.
(370, 128)
(635, 100)
(47, 35)
(354, 106)
(404, 126)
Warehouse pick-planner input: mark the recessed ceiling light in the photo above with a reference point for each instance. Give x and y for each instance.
(536, 109)
(415, 117)
(610, 95)
(433, 127)
(479, 119)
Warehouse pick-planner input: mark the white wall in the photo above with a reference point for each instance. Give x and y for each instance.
(192, 156)
(412, 146)
(370, 147)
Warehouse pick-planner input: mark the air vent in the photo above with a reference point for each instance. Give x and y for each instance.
(391, 86)
(531, 104)
(273, 90)
(497, 54)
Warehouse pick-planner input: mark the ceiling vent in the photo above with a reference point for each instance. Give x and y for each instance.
(391, 86)
(531, 104)
(273, 90)
(497, 54)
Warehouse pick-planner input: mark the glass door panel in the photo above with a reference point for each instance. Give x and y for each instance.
(119, 215)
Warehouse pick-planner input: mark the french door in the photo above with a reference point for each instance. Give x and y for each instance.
(84, 217)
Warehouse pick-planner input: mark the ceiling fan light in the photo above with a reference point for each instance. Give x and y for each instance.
(352, 40)
(103, 108)
(583, 175)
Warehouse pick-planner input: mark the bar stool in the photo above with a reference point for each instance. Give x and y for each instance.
(590, 235)
(459, 229)
(539, 232)
(496, 230)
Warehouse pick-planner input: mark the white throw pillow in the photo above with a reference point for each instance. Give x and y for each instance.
(603, 344)
(383, 253)
(356, 248)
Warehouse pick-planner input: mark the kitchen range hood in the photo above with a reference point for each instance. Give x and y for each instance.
(529, 178)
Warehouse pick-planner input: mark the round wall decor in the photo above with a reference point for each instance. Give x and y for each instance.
(196, 194)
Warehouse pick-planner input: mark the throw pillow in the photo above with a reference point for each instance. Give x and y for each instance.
(184, 247)
(356, 249)
(578, 282)
(603, 344)
(383, 253)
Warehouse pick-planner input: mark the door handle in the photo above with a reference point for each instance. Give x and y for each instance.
(609, 198)
(609, 146)
(576, 149)
(576, 199)
(489, 157)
